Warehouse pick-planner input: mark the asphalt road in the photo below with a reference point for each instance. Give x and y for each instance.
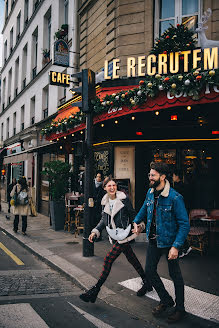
(35, 296)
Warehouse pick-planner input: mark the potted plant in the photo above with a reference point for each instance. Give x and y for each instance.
(62, 32)
(58, 174)
(46, 56)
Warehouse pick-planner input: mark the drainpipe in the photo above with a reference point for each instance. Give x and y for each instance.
(75, 39)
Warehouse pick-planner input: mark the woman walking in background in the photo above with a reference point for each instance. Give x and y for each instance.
(117, 213)
(22, 204)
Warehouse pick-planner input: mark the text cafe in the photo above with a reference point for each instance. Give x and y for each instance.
(171, 118)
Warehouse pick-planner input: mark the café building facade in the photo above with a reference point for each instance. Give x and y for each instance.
(180, 129)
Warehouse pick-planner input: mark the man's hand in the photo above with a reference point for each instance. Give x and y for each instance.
(173, 253)
(137, 229)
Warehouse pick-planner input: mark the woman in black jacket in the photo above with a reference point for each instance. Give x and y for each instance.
(117, 213)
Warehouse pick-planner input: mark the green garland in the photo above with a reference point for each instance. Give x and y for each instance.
(174, 39)
(191, 83)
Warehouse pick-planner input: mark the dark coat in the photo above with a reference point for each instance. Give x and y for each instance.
(122, 215)
(99, 192)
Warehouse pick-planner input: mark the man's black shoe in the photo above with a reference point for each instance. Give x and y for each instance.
(159, 309)
(176, 316)
(143, 290)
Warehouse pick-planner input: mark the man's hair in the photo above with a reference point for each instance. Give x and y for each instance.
(161, 168)
(107, 179)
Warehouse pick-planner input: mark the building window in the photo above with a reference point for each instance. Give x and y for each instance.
(22, 117)
(6, 10)
(47, 33)
(175, 12)
(11, 40)
(14, 123)
(2, 132)
(5, 50)
(9, 85)
(18, 26)
(7, 128)
(24, 66)
(32, 111)
(3, 94)
(17, 77)
(66, 12)
(34, 52)
(26, 9)
(45, 101)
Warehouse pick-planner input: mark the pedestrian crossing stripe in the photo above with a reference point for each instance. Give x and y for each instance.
(197, 302)
(9, 253)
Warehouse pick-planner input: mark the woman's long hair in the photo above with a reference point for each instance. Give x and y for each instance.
(23, 182)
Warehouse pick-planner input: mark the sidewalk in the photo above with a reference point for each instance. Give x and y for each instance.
(63, 252)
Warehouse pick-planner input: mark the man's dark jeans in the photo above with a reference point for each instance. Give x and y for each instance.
(153, 256)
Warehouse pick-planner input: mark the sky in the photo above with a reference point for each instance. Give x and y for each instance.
(2, 3)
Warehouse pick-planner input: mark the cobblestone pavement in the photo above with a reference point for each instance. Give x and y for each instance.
(33, 282)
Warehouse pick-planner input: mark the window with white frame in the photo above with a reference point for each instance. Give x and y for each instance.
(22, 117)
(5, 50)
(65, 11)
(175, 12)
(16, 77)
(14, 123)
(9, 85)
(24, 66)
(34, 52)
(2, 132)
(7, 127)
(26, 10)
(32, 110)
(18, 31)
(47, 32)
(45, 101)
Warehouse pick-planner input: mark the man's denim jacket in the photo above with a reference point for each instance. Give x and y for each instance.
(172, 222)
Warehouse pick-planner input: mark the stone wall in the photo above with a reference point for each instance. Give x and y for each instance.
(124, 28)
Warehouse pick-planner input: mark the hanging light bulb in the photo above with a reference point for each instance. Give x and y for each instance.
(133, 118)
(189, 107)
(157, 112)
(81, 132)
(102, 125)
(73, 135)
(116, 122)
(65, 137)
(60, 147)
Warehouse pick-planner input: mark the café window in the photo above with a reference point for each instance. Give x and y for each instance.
(167, 156)
(175, 12)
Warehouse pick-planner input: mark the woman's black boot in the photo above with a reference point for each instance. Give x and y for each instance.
(144, 289)
(90, 295)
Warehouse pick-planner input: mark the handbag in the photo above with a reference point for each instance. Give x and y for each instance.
(32, 208)
(118, 233)
(14, 200)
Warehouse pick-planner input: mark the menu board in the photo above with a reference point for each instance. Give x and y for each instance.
(101, 161)
(124, 185)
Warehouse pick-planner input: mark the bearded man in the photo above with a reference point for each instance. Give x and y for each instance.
(167, 226)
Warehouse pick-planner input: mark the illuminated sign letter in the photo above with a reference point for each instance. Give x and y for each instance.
(151, 59)
(140, 65)
(196, 58)
(174, 62)
(186, 59)
(106, 76)
(115, 68)
(131, 67)
(210, 59)
(162, 64)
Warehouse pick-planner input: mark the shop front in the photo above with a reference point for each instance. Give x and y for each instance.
(177, 130)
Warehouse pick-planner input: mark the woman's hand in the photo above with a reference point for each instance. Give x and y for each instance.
(137, 228)
(90, 238)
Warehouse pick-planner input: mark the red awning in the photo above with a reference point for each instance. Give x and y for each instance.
(66, 112)
(162, 101)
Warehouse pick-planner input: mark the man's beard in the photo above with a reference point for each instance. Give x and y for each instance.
(155, 184)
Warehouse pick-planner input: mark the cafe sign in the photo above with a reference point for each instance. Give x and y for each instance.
(59, 79)
(164, 63)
